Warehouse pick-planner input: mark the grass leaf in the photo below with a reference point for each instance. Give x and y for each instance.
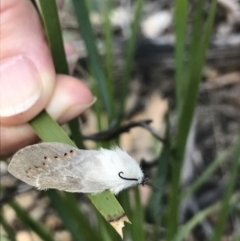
(34, 225)
(185, 117)
(129, 55)
(8, 229)
(181, 7)
(222, 216)
(89, 39)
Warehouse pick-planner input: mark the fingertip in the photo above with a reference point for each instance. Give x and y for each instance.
(13, 138)
(71, 97)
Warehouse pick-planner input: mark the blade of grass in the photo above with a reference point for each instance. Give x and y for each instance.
(235, 204)
(207, 173)
(109, 208)
(186, 114)
(8, 229)
(53, 31)
(48, 130)
(34, 225)
(183, 231)
(180, 17)
(129, 55)
(124, 198)
(55, 40)
(184, 123)
(89, 39)
(155, 203)
(195, 35)
(83, 225)
(106, 232)
(108, 43)
(137, 227)
(3, 238)
(69, 222)
(76, 133)
(199, 217)
(222, 216)
(97, 107)
(236, 237)
(105, 202)
(154, 208)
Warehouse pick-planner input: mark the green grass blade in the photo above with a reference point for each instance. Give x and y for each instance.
(108, 205)
(207, 174)
(105, 202)
(124, 198)
(8, 229)
(155, 203)
(200, 216)
(137, 227)
(108, 43)
(183, 231)
(236, 237)
(48, 130)
(235, 204)
(184, 122)
(76, 133)
(129, 55)
(34, 225)
(88, 232)
(53, 31)
(73, 218)
(63, 212)
(89, 39)
(193, 52)
(222, 216)
(55, 40)
(4, 238)
(186, 114)
(187, 111)
(181, 7)
(106, 232)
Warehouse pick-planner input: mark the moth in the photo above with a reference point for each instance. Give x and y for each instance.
(60, 166)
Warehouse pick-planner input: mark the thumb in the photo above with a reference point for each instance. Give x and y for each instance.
(27, 72)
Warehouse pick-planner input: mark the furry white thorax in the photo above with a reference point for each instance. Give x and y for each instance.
(102, 171)
(116, 161)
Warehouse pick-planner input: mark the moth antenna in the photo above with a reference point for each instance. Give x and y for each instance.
(129, 179)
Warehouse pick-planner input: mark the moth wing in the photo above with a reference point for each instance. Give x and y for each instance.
(49, 165)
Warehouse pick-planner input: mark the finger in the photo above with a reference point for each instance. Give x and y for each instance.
(27, 72)
(13, 138)
(71, 97)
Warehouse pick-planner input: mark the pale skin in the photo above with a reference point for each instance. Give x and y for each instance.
(28, 82)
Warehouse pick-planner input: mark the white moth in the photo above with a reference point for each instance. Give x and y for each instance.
(63, 167)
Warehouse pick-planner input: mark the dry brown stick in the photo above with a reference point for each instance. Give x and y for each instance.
(113, 133)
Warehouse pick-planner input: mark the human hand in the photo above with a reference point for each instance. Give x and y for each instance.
(28, 82)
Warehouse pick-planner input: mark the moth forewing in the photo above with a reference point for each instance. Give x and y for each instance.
(44, 161)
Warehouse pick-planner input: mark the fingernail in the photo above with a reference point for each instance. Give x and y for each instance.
(21, 86)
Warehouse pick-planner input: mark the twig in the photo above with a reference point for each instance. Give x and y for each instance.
(113, 133)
